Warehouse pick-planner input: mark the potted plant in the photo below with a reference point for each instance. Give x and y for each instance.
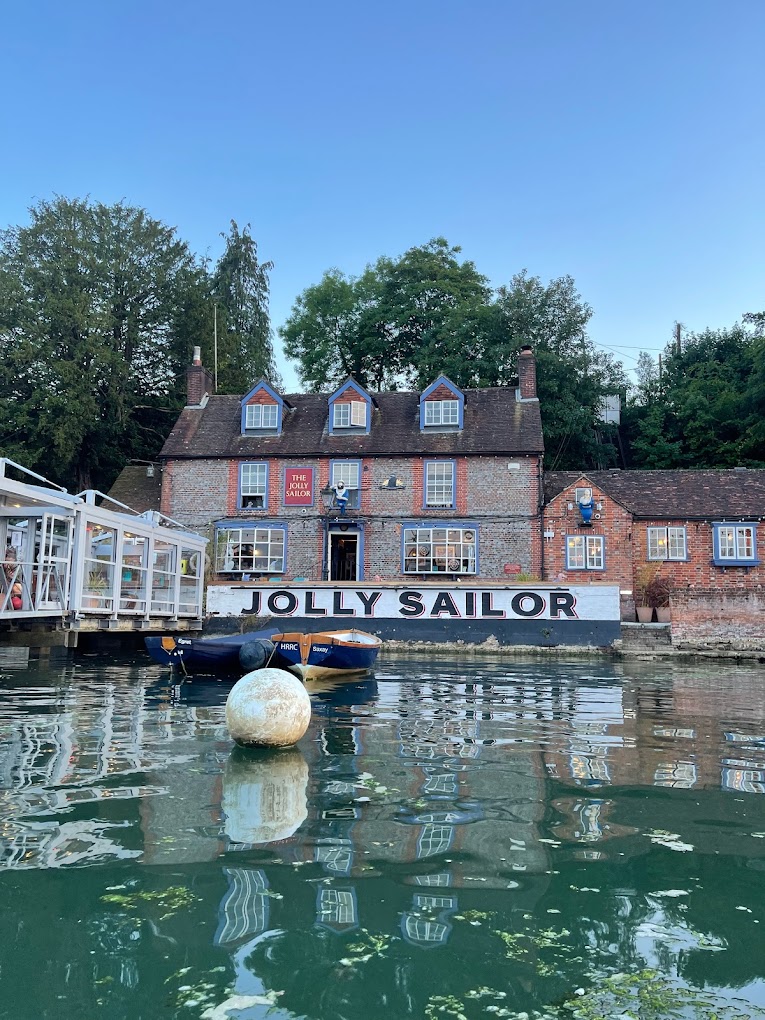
(659, 591)
(97, 584)
(644, 578)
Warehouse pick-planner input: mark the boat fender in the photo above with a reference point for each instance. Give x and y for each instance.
(255, 654)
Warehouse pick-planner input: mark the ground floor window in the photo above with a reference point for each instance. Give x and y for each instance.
(440, 550)
(735, 545)
(243, 550)
(585, 552)
(666, 544)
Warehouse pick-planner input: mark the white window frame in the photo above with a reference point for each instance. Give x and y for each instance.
(348, 472)
(590, 552)
(255, 416)
(673, 541)
(440, 489)
(349, 414)
(440, 550)
(253, 484)
(232, 555)
(442, 412)
(740, 545)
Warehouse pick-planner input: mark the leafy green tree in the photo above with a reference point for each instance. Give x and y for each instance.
(240, 290)
(709, 409)
(572, 375)
(406, 320)
(96, 303)
(333, 332)
(431, 303)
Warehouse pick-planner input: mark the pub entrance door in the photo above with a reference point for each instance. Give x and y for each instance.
(343, 556)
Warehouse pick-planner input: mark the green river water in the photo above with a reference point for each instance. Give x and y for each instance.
(451, 839)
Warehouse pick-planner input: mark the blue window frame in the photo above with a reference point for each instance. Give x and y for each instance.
(253, 486)
(585, 552)
(350, 410)
(259, 418)
(734, 544)
(349, 472)
(444, 413)
(439, 484)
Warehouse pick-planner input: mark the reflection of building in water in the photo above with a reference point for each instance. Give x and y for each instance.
(427, 923)
(678, 774)
(49, 764)
(597, 722)
(244, 909)
(337, 909)
(743, 776)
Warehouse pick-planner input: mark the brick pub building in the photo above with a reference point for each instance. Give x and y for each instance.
(447, 486)
(355, 486)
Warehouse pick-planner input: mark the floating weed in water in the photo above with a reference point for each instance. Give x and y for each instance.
(475, 915)
(671, 840)
(370, 945)
(671, 893)
(170, 900)
(650, 996)
(444, 1005)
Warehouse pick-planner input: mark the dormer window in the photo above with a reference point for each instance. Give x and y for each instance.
(350, 409)
(442, 412)
(261, 416)
(442, 407)
(262, 410)
(350, 415)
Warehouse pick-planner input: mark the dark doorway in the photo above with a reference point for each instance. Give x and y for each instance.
(343, 556)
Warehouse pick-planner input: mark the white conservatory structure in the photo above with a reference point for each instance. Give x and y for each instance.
(64, 556)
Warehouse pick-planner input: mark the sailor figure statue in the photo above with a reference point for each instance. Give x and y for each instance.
(585, 506)
(341, 496)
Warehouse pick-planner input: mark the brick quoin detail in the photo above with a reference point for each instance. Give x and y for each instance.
(232, 507)
(462, 490)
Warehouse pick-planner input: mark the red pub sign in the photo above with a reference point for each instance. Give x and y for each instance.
(298, 487)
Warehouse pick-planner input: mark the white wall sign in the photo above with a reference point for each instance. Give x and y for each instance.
(457, 602)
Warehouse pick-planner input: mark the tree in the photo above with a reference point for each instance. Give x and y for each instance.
(572, 375)
(96, 310)
(397, 323)
(332, 334)
(709, 410)
(240, 289)
(406, 320)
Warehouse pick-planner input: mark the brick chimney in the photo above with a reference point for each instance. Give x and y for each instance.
(199, 381)
(527, 374)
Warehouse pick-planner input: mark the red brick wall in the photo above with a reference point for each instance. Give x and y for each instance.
(719, 616)
(442, 392)
(261, 397)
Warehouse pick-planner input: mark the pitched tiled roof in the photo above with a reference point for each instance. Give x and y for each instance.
(495, 422)
(133, 488)
(702, 494)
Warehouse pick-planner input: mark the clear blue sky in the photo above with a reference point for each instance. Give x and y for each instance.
(621, 143)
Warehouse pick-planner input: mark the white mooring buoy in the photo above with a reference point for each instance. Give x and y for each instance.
(268, 708)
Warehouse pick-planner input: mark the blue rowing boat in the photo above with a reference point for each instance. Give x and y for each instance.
(232, 653)
(327, 652)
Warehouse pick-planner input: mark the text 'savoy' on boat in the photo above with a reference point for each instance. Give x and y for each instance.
(327, 652)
